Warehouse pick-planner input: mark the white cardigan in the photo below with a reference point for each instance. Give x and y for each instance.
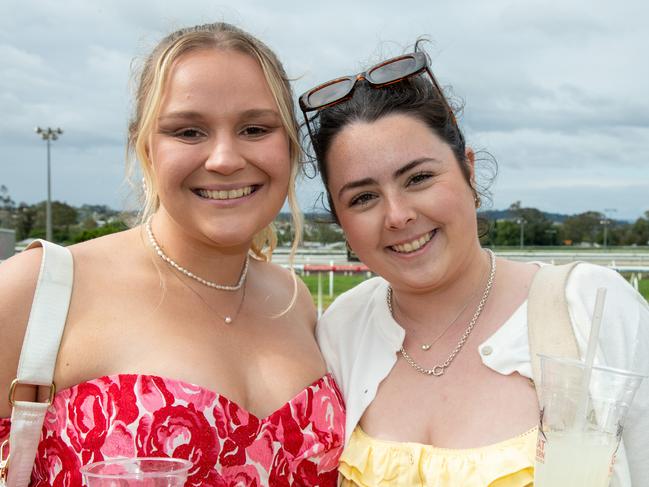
(360, 341)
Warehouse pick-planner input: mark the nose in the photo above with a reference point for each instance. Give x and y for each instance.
(225, 157)
(398, 213)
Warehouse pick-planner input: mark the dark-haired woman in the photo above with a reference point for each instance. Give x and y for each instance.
(433, 355)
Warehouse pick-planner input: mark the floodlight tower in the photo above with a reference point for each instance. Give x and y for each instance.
(606, 221)
(48, 135)
(522, 221)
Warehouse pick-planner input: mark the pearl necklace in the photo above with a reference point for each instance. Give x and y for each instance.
(179, 268)
(439, 369)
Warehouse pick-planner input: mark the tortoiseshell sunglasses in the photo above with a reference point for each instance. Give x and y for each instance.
(383, 74)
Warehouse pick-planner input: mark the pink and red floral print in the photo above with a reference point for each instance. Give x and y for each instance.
(148, 416)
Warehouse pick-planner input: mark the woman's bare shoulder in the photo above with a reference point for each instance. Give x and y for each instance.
(18, 277)
(118, 244)
(290, 292)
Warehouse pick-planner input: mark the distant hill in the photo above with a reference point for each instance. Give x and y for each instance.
(488, 214)
(508, 215)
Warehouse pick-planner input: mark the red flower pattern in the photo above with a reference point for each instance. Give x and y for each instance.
(5, 428)
(138, 415)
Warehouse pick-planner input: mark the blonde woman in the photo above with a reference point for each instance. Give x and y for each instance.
(182, 339)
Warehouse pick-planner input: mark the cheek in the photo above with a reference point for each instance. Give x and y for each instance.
(169, 160)
(168, 174)
(360, 228)
(275, 160)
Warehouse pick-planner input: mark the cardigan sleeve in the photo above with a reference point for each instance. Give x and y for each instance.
(623, 343)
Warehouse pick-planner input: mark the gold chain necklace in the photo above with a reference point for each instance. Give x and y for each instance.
(439, 369)
(227, 319)
(427, 346)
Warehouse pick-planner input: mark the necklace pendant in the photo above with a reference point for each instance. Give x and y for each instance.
(227, 320)
(426, 347)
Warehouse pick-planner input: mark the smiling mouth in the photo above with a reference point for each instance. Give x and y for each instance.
(414, 245)
(231, 194)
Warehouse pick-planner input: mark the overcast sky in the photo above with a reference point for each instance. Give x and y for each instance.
(557, 91)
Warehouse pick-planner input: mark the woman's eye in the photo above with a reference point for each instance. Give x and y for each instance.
(254, 131)
(188, 133)
(361, 199)
(419, 178)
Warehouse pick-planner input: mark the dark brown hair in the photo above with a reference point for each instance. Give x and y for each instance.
(415, 96)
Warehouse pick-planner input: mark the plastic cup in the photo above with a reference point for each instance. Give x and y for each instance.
(572, 450)
(140, 472)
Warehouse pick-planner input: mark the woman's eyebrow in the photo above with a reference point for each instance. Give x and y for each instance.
(260, 112)
(194, 115)
(356, 184)
(413, 164)
(185, 115)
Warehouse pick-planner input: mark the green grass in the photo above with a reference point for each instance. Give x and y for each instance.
(644, 288)
(343, 283)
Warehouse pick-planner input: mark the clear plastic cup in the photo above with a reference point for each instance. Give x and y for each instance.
(140, 472)
(573, 450)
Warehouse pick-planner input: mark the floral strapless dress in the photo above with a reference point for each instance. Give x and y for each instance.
(148, 416)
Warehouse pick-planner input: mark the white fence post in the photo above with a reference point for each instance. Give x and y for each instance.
(319, 294)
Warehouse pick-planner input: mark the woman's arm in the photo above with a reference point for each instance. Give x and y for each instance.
(636, 430)
(18, 277)
(623, 343)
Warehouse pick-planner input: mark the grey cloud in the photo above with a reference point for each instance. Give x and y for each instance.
(552, 89)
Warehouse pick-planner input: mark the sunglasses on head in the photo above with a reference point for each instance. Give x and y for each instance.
(383, 74)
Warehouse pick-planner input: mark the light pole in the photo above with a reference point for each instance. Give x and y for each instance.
(521, 221)
(606, 221)
(48, 135)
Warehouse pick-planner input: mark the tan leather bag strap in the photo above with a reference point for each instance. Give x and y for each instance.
(549, 327)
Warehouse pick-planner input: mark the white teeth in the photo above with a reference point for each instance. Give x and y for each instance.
(414, 245)
(225, 194)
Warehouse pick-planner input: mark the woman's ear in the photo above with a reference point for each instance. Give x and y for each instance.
(469, 153)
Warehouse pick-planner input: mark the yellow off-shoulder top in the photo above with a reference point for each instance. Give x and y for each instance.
(368, 461)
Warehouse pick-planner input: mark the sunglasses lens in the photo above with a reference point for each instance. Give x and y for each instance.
(330, 93)
(393, 71)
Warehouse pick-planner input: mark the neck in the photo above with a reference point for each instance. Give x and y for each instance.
(200, 256)
(433, 309)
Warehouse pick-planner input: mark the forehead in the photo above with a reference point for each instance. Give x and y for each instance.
(371, 149)
(234, 78)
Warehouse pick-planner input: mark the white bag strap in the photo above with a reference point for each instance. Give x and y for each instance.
(550, 330)
(38, 357)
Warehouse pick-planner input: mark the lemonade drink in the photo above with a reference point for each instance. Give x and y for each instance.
(578, 435)
(575, 459)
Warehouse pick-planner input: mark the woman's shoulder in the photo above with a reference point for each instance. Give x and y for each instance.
(586, 278)
(18, 277)
(118, 243)
(626, 312)
(287, 292)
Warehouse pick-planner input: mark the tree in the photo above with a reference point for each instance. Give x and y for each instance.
(538, 229)
(639, 233)
(7, 208)
(323, 232)
(24, 220)
(584, 227)
(112, 227)
(64, 217)
(504, 233)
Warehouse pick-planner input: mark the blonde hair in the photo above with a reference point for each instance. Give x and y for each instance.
(148, 99)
